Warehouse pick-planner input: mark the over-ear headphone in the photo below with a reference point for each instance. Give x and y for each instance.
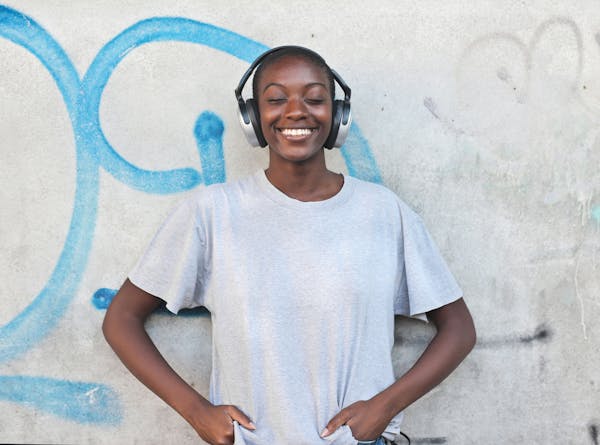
(250, 118)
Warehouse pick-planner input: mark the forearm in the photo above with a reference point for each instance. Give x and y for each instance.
(453, 341)
(125, 333)
(124, 330)
(138, 353)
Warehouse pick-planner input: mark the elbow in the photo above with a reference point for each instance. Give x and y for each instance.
(462, 331)
(465, 333)
(472, 332)
(470, 338)
(455, 325)
(462, 337)
(109, 327)
(106, 328)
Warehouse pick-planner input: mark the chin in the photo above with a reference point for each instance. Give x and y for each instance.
(297, 155)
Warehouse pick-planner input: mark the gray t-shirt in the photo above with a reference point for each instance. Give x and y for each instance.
(302, 297)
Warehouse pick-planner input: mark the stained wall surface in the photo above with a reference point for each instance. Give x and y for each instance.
(483, 116)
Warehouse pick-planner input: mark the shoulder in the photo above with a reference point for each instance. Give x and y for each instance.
(380, 195)
(387, 205)
(371, 189)
(215, 194)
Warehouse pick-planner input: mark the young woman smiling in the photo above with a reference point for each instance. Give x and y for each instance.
(295, 102)
(303, 270)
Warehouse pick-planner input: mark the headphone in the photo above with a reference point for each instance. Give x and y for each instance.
(250, 118)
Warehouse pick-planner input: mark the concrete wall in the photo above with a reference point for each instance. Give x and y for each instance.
(484, 116)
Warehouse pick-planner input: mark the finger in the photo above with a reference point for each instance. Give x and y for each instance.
(236, 414)
(336, 421)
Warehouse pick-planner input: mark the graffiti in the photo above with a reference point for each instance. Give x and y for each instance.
(595, 214)
(593, 430)
(533, 83)
(92, 402)
(525, 52)
(79, 401)
(209, 136)
(431, 106)
(542, 334)
(102, 298)
(429, 440)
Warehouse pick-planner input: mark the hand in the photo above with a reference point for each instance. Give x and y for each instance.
(214, 424)
(366, 419)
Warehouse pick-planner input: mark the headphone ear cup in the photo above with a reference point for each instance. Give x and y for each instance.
(344, 128)
(344, 123)
(336, 120)
(250, 123)
(252, 107)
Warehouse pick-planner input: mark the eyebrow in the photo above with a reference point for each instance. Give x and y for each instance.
(310, 85)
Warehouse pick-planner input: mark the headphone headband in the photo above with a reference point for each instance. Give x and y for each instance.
(248, 110)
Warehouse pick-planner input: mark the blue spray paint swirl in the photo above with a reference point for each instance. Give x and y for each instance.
(82, 99)
(79, 401)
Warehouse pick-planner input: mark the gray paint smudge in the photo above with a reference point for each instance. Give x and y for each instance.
(430, 105)
(593, 430)
(430, 440)
(502, 74)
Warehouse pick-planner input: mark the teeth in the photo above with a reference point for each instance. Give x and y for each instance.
(296, 131)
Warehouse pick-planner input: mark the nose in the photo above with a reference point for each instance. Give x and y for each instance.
(295, 108)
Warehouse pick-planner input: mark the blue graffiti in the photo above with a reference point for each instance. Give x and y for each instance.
(596, 214)
(359, 158)
(209, 138)
(102, 297)
(88, 402)
(93, 151)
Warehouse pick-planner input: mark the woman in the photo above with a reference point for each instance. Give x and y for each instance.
(302, 270)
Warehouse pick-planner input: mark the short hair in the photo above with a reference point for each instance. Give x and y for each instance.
(293, 51)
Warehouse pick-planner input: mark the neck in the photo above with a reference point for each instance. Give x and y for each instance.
(304, 182)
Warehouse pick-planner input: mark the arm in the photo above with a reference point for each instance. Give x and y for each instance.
(454, 339)
(124, 330)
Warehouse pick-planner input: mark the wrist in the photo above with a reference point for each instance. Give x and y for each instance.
(192, 405)
(388, 403)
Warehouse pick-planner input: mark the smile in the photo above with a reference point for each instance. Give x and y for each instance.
(296, 131)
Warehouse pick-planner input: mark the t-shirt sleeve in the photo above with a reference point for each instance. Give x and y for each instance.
(426, 283)
(173, 264)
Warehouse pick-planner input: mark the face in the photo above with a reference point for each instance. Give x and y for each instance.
(295, 108)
